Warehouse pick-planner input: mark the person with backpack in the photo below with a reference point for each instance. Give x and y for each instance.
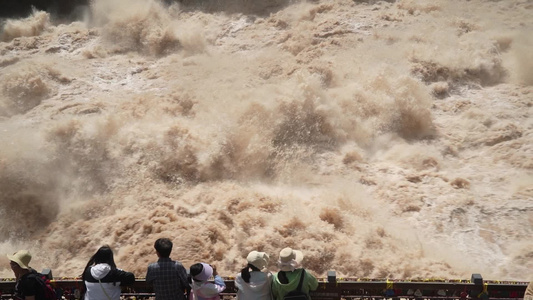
(102, 278)
(292, 282)
(201, 288)
(251, 282)
(30, 284)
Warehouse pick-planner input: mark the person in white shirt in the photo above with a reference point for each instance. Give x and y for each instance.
(102, 278)
(252, 283)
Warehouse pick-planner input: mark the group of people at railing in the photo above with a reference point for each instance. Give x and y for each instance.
(170, 280)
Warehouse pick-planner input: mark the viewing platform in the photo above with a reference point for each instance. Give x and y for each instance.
(331, 288)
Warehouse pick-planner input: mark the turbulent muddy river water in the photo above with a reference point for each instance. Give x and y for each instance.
(384, 139)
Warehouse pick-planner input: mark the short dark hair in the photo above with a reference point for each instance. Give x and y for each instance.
(196, 269)
(163, 246)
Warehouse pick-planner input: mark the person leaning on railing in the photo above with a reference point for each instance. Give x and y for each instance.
(252, 283)
(167, 277)
(201, 288)
(287, 280)
(102, 278)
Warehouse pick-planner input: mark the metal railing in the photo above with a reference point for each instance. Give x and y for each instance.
(332, 288)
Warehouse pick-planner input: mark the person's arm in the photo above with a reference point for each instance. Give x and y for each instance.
(149, 276)
(312, 282)
(125, 278)
(274, 287)
(219, 282)
(29, 298)
(182, 275)
(270, 281)
(238, 281)
(209, 289)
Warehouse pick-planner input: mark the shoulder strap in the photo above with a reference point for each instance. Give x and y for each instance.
(33, 274)
(103, 289)
(299, 289)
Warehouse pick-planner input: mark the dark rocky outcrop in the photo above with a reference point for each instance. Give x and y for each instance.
(22, 8)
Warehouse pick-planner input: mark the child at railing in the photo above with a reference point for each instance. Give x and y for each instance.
(201, 288)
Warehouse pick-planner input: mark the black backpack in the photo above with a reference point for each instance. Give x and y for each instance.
(297, 294)
(46, 291)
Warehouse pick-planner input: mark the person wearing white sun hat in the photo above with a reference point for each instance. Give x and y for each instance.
(254, 284)
(26, 287)
(292, 275)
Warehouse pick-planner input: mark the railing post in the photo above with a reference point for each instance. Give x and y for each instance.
(48, 274)
(479, 291)
(332, 277)
(332, 282)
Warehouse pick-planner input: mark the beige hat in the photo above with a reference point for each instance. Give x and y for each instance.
(22, 258)
(258, 259)
(290, 259)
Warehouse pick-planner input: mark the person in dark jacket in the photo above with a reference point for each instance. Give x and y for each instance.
(102, 278)
(167, 277)
(26, 287)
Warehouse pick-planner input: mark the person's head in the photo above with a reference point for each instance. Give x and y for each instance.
(104, 255)
(19, 261)
(201, 271)
(163, 246)
(257, 261)
(290, 259)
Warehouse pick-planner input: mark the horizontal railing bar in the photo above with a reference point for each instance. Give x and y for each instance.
(364, 290)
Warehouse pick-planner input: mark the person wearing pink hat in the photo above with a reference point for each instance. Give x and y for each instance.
(201, 288)
(292, 277)
(252, 283)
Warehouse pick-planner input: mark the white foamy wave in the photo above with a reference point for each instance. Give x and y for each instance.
(33, 25)
(144, 26)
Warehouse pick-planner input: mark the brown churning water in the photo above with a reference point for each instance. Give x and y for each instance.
(382, 138)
